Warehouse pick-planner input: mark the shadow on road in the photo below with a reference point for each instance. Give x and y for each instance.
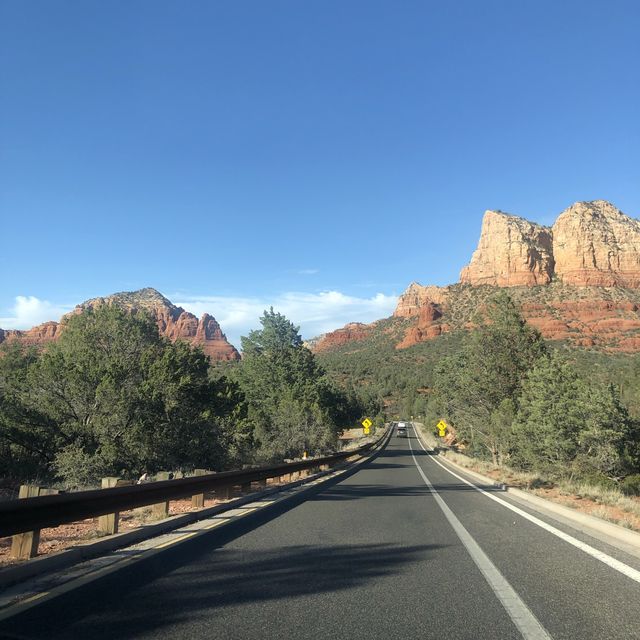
(142, 600)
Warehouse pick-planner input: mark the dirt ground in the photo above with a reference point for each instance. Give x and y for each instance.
(584, 505)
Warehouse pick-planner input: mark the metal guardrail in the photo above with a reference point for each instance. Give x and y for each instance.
(33, 514)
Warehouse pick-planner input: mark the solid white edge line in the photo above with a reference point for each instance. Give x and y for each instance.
(527, 624)
(619, 566)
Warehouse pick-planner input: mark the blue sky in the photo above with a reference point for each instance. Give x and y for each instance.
(317, 156)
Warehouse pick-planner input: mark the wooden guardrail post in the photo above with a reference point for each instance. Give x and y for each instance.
(108, 523)
(18, 517)
(245, 487)
(224, 493)
(198, 500)
(25, 545)
(161, 509)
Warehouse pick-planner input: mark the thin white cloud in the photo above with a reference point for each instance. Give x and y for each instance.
(29, 311)
(308, 272)
(315, 313)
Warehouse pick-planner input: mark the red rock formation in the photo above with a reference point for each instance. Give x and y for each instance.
(416, 297)
(213, 342)
(592, 245)
(512, 252)
(351, 332)
(585, 317)
(173, 322)
(38, 335)
(595, 244)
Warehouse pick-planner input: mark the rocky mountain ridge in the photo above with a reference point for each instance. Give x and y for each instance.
(590, 244)
(577, 281)
(173, 322)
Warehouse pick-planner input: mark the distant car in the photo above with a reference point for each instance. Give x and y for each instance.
(401, 432)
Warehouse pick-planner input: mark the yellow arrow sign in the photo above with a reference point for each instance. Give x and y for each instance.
(442, 428)
(366, 423)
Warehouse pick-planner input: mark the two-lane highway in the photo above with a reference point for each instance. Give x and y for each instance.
(401, 548)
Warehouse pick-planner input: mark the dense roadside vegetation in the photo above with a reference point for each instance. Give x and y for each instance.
(512, 398)
(112, 397)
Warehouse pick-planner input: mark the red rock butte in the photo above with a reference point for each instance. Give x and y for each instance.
(590, 244)
(577, 281)
(173, 322)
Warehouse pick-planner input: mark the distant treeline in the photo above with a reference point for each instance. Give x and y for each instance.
(112, 397)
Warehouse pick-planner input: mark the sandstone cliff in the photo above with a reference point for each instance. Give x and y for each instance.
(512, 252)
(590, 244)
(35, 336)
(418, 296)
(352, 332)
(578, 281)
(173, 322)
(595, 244)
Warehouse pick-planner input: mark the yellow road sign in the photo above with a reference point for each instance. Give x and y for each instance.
(366, 423)
(366, 431)
(442, 428)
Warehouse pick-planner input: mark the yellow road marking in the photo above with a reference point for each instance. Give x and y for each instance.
(217, 523)
(34, 597)
(178, 539)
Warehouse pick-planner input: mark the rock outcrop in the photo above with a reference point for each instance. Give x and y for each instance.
(416, 297)
(595, 244)
(577, 282)
(512, 252)
(40, 334)
(587, 316)
(427, 325)
(173, 322)
(590, 244)
(352, 332)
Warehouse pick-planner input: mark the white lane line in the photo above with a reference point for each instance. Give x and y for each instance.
(623, 568)
(528, 625)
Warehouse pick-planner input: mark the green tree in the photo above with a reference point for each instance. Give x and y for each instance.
(477, 389)
(28, 437)
(292, 405)
(568, 426)
(112, 396)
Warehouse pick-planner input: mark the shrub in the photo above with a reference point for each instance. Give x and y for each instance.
(630, 486)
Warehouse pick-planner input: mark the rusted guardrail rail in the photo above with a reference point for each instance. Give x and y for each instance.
(30, 514)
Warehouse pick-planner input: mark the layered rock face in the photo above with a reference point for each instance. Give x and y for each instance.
(416, 297)
(173, 322)
(427, 325)
(603, 317)
(512, 252)
(590, 244)
(595, 244)
(351, 332)
(578, 281)
(35, 336)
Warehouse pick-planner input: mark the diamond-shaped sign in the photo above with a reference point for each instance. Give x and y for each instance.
(366, 423)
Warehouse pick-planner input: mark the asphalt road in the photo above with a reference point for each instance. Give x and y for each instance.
(388, 552)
